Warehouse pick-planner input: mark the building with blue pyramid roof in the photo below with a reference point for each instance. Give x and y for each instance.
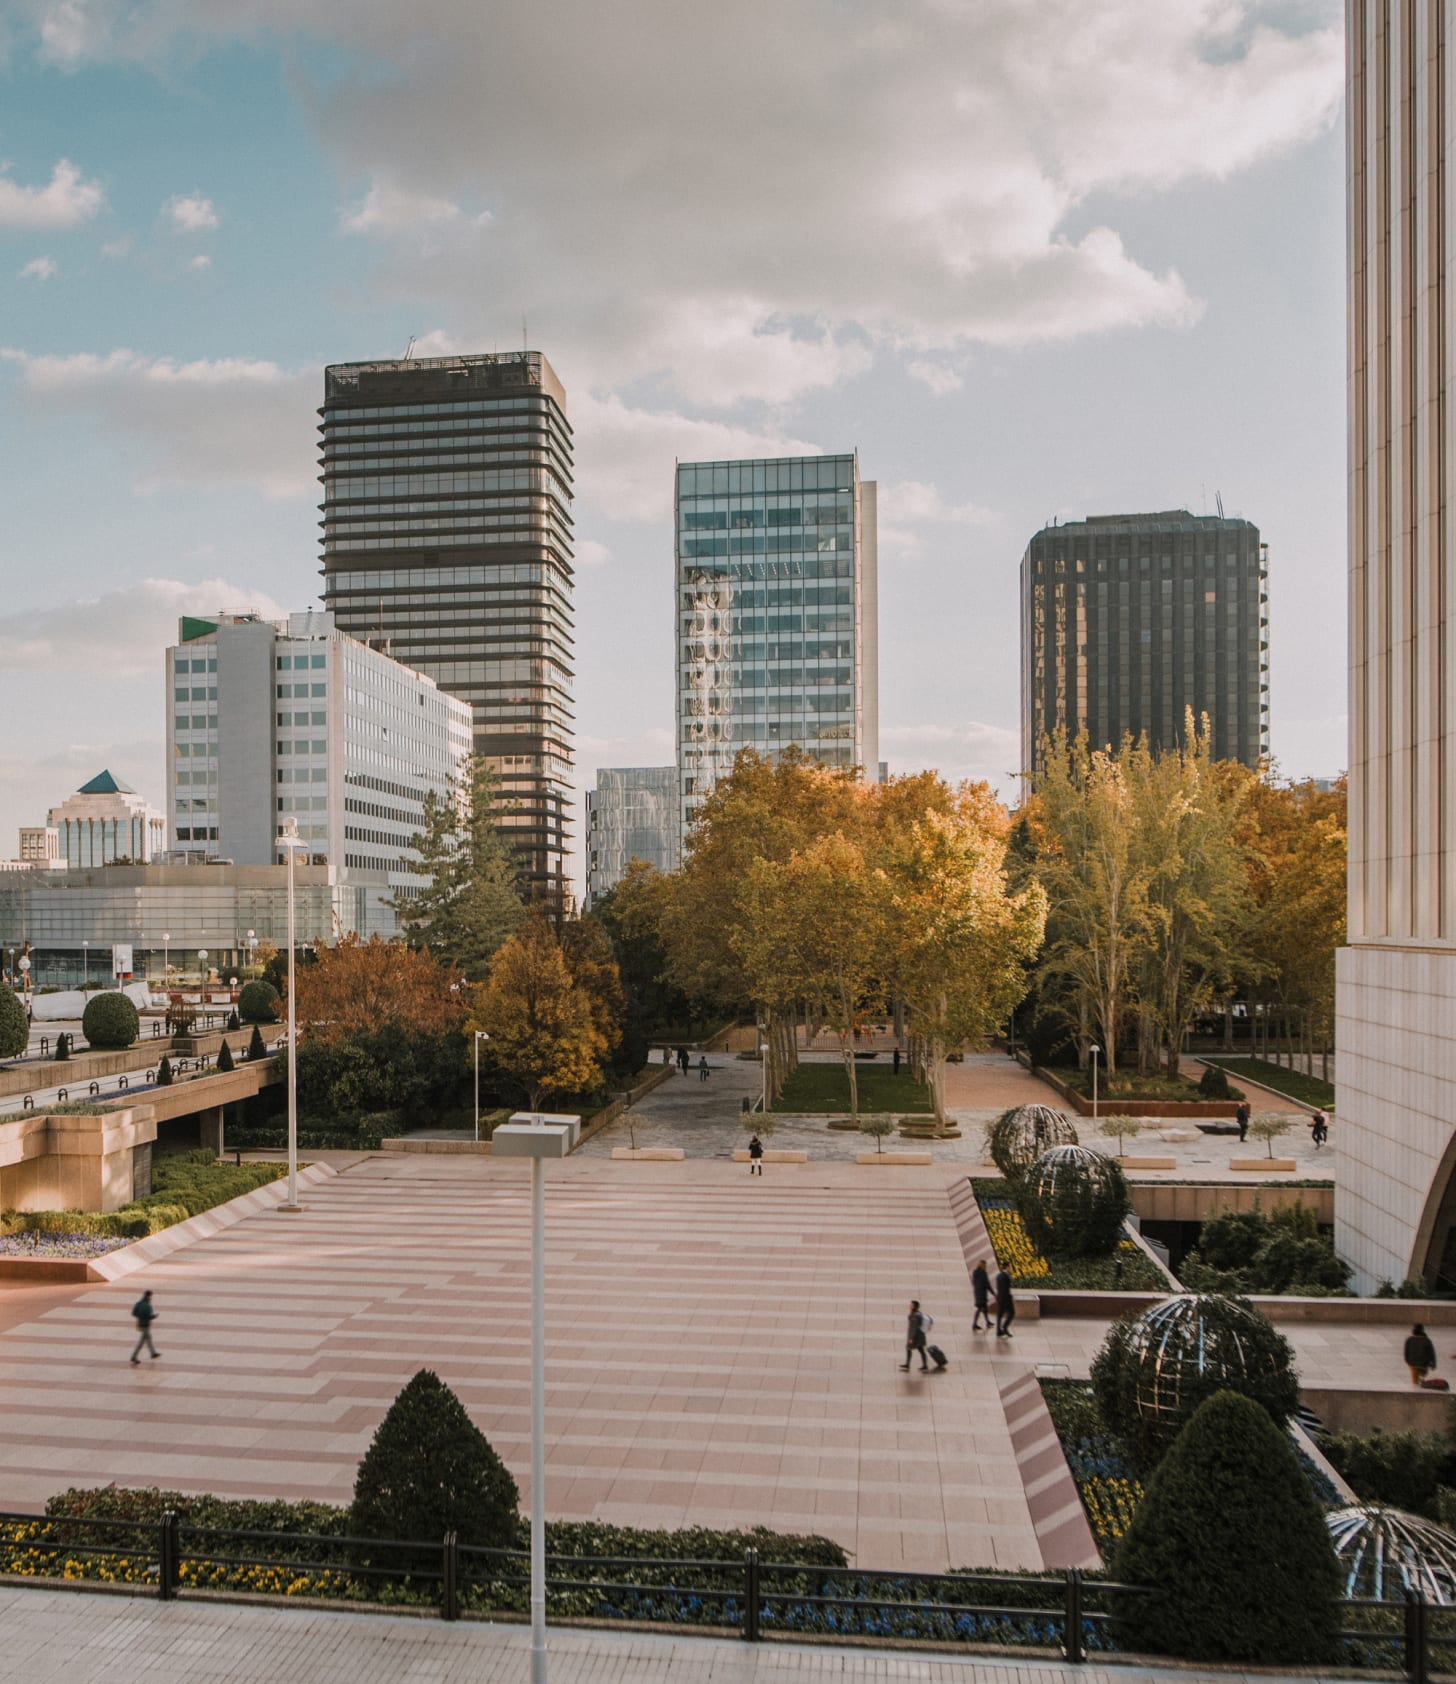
(106, 821)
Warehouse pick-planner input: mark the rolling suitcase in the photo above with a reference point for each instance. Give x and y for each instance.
(936, 1355)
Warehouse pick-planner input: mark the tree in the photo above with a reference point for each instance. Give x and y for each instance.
(258, 1001)
(256, 1048)
(356, 987)
(1232, 1546)
(164, 1072)
(468, 900)
(224, 1059)
(958, 940)
(429, 1471)
(1268, 1126)
(877, 1126)
(1117, 1128)
(593, 966)
(63, 1045)
(631, 915)
(110, 1021)
(14, 1024)
(542, 1024)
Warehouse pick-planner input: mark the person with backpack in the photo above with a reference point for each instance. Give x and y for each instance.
(144, 1314)
(755, 1156)
(1319, 1129)
(917, 1331)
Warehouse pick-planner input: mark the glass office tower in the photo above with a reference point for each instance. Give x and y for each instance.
(1129, 620)
(447, 542)
(777, 615)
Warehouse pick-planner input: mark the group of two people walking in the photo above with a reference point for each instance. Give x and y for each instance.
(986, 1292)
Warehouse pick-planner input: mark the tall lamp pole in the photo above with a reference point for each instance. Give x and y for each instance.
(1094, 1051)
(537, 1137)
(288, 841)
(85, 964)
(479, 1036)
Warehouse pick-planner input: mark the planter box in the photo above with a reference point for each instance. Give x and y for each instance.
(651, 1154)
(405, 1143)
(1148, 1163)
(1283, 1166)
(894, 1158)
(1120, 1105)
(740, 1156)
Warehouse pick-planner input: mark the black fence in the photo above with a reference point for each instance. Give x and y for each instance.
(1069, 1613)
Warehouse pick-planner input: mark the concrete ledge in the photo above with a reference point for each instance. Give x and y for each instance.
(1148, 1163)
(741, 1156)
(406, 1143)
(894, 1158)
(1280, 1166)
(651, 1154)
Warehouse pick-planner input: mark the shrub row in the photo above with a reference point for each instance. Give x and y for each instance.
(182, 1186)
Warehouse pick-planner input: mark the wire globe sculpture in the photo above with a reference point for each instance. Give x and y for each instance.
(1385, 1552)
(1073, 1201)
(1188, 1346)
(1018, 1138)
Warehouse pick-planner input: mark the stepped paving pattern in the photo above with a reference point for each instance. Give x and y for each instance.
(720, 1351)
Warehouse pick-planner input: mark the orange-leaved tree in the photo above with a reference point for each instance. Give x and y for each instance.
(356, 987)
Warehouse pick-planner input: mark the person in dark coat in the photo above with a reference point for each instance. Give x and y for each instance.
(755, 1156)
(682, 1060)
(1319, 1128)
(981, 1287)
(1242, 1116)
(897, 1061)
(1420, 1354)
(703, 1068)
(916, 1329)
(1005, 1305)
(144, 1314)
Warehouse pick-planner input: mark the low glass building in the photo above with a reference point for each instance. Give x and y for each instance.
(631, 814)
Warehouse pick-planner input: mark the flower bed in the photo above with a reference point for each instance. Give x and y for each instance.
(1128, 1269)
(72, 1245)
(1109, 1489)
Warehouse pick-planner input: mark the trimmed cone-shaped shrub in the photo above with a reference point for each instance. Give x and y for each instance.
(1233, 1546)
(164, 1072)
(258, 1002)
(14, 1025)
(224, 1058)
(63, 1046)
(110, 1021)
(1214, 1082)
(1155, 1369)
(256, 1049)
(431, 1471)
(233, 1020)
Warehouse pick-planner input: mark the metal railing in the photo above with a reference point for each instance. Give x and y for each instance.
(761, 1600)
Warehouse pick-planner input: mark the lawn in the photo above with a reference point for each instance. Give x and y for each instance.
(1128, 1084)
(1308, 1090)
(824, 1089)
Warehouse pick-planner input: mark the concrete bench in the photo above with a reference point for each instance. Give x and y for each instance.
(1148, 1163)
(894, 1158)
(742, 1156)
(1285, 1166)
(651, 1154)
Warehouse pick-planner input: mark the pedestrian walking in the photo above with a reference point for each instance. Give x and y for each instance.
(703, 1068)
(917, 1335)
(755, 1156)
(1420, 1354)
(1005, 1305)
(1242, 1114)
(666, 1057)
(981, 1288)
(897, 1061)
(683, 1060)
(1319, 1129)
(143, 1313)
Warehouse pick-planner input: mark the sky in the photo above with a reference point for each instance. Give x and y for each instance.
(1034, 259)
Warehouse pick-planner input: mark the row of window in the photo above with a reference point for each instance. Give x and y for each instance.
(724, 593)
(195, 693)
(424, 483)
(830, 541)
(297, 663)
(285, 692)
(186, 664)
(338, 433)
(699, 517)
(462, 406)
(734, 479)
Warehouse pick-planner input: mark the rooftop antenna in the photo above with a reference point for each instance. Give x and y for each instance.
(524, 340)
(1218, 498)
(409, 349)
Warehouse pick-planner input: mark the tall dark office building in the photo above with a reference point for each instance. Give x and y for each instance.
(1129, 620)
(447, 543)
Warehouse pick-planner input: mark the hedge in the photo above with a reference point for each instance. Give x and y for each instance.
(14, 1024)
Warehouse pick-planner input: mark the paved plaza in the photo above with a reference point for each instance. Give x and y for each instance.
(80, 1638)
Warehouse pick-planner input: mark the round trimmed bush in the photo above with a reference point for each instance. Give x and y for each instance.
(258, 1002)
(14, 1025)
(1214, 1082)
(430, 1470)
(110, 1021)
(1230, 1541)
(1073, 1202)
(1018, 1138)
(1155, 1369)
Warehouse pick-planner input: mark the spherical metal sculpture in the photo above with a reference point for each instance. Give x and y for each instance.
(1385, 1552)
(1073, 1201)
(1018, 1138)
(1187, 1346)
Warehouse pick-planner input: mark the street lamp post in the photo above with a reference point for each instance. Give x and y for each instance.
(288, 841)
(1094, 1051)
(85, 964)
(537, 1137)
(202, 969)
(166, 961)
(479, 1036)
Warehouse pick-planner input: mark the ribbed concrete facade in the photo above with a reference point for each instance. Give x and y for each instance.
(1397, 979)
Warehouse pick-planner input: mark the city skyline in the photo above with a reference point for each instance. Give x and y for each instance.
(1009, 342)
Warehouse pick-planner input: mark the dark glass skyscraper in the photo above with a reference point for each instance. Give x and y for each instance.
(447, 541)
(1128, 620)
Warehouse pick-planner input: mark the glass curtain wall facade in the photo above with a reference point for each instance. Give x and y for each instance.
(777, 615)
(447, 542)
(1129, 620)
(630, 815)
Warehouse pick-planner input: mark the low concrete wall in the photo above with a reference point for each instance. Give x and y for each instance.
(1393, 1412)
(1170, 1201)
(76, 1162)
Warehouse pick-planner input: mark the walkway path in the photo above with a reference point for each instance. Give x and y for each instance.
(60, 1637)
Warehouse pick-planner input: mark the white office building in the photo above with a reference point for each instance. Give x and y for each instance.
(1395, 1209)
(268, 721)
(103, 822)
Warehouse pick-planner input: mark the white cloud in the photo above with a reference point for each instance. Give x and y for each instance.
(938, 376)
(31, 783)
(591, 552)
(190, 213)
(39, 269)
(65, 201)
(233, 421)
(914, 500)
(968, 750)
(201, 263)
(388, 208)
(121, 633)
